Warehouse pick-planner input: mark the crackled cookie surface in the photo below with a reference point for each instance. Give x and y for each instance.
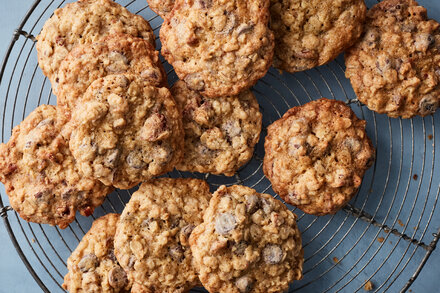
(115, 54)
(41, 178)
(151, 241)
(92, 265)
(316, 156)
(248, 242)
(309, 33)
(218, 47)
(395, 67)
(161, 7)
(125, 131)
(84, 21)
(220, 134)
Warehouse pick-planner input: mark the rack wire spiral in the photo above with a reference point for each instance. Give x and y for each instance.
(385, 234)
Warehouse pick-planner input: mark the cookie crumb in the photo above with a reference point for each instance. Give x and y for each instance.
(335, 260)
(380, 239)
(33, 240)
(400, 222)
(368, 286)
(430, 138)
(415, 177)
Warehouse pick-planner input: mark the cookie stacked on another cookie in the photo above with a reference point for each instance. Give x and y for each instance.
(114, 54)
(218, 48)
(93, 266)
(84, 22)
(248, 242)
(395, 67)
(220, 134)
(125, 131)
(41, 177)
(316, 156)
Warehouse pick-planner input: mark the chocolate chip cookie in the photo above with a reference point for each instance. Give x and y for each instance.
(151, 240)
(310, 33)
(220, 134)
(248, 242)
(115, 54)
(316, 156)
(161, 7)
(395, 67)
(84, 21)
(125, 131)
(40, 174)
(93, 266)
(218, 48)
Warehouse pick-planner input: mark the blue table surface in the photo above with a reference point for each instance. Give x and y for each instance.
(14, 276)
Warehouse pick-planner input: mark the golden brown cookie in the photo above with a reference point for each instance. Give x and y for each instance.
(125, 131)
(115, 54)
(220, 134)
(310, 33)
(92, 265)
(248, 242)
(395, 67)
(40, 174)
(151, 240)
(81, 22)
(316, 156)
(218, 48)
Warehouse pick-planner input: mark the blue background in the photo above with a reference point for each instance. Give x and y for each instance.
(13, 275)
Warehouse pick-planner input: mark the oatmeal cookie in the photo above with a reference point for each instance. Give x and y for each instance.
(125, 131)
(81, 22)
(220, 134)
(316, 156)
(115, 54)
(310, 33)
(93, 266)
(218, 48)
(40, 174)
(395, 67)
(248, 242)
(161, 7)
(152, 236)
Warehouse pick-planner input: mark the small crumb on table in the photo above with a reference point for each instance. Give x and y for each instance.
(335, 260)
(368, 286)
(400, 222)
(415, 177)
(380, 239)
(430, 137)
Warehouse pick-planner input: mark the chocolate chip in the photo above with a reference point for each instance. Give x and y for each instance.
(244, 284)
(155, 128)
(117, 277)
(153, 75)
(252, 203)
(134, 160)
(176, 252)
(428, 105)
(187, 230)
(38, 194)
(231, 21)
(224, 223)
(244, 28)
(111, 255)
(88, 263)
(195, 82)
(239, 248)
(111, 157)
(272, 254)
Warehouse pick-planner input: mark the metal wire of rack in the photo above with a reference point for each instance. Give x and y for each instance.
(385, 234)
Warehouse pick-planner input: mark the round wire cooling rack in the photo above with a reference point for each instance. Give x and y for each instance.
(384, 235)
